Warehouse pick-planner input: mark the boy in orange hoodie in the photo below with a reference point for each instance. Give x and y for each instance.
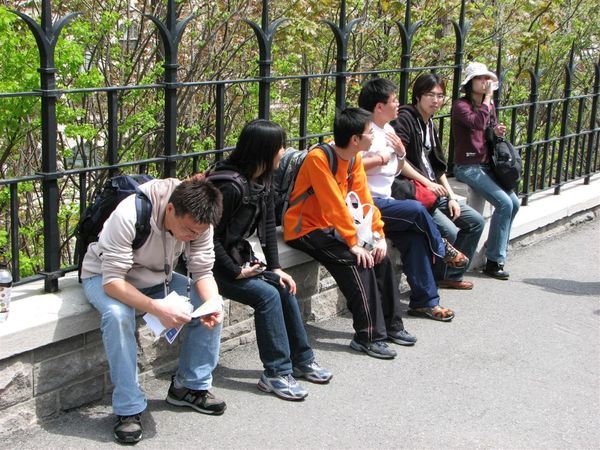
(322, 226)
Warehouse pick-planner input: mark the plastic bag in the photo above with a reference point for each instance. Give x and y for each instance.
(362, 215)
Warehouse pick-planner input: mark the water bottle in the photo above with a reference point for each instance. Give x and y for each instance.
(5, 288)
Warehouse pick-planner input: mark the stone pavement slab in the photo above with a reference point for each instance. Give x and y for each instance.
(517, 368)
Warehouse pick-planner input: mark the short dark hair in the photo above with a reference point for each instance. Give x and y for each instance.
(259, 142)
(424, 84)
(349, 122)
(200, 199)
(375, 90)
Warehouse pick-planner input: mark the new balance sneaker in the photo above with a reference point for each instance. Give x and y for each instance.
(202, 401)
(283, 386)
(313, 372)
(401, 337)
(128, 429)
(376, 349)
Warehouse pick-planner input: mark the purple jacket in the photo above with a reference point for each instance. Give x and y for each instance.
(468, 131)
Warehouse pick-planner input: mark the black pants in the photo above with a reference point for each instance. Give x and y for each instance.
(372, 295)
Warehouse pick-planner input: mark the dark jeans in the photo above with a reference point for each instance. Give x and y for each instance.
(463, 233)
(412, 230)
(372, 295)
(280, 332)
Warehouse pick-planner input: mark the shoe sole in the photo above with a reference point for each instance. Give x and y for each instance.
(495, 276)
(127, 441)
(448, 286)
(401, 342)
(175, 402)
(361, 348)
(266, 388)
(312, 380)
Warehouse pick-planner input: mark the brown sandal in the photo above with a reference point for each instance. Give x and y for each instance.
(436, 312)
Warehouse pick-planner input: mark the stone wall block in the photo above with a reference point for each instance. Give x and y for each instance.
(66, 369)
(236, 330)
(237, 341)
(153, 352)
(327, 304)
(306, 276)
(83, 392)
(58, 348)
(226, 316)
(16, 383)
(92, 337)
(239, 313)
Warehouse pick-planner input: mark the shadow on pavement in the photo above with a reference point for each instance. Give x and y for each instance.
(568, 287)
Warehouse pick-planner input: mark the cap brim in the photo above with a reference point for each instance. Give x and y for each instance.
(492, 75)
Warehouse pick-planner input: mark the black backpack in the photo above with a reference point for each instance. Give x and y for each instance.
(285, 177)
(114, 191)
(506, 164)
(505, 160)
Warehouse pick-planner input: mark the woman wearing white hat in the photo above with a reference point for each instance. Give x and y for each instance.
(471, 115)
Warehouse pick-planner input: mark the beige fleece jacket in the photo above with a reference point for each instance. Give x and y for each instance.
(113, 257)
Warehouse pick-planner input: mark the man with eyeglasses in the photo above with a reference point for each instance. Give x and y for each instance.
(118, 280)
(456, 221)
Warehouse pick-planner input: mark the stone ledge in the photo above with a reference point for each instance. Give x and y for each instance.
(37, 318)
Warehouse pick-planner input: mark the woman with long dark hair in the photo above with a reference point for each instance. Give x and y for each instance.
(471, 116)
(282, 341)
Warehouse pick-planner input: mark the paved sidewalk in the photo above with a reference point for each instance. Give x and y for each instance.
(517, 368)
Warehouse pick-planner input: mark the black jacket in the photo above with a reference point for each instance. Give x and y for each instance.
(241, 218)
(409, 127)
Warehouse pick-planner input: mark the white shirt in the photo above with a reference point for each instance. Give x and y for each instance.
(380, 178)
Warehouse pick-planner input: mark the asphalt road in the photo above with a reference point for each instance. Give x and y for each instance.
(517, 368)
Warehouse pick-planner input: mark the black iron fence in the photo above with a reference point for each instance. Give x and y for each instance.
(566, 149)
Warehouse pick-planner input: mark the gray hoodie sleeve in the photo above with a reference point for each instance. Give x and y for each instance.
(202, 255)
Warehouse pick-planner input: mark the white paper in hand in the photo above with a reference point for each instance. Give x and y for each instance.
(157, 327)
(207, 308)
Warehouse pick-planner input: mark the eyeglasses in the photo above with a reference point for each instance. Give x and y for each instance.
(433, 95)
(371, 133)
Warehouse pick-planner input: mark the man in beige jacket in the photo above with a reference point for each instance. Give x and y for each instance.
(119, 280)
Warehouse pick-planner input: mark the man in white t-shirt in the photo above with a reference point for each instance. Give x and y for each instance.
(407, 223)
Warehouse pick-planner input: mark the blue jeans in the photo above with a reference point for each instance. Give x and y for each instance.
(412, 230)
(280, 333)
(463, 233)
(198, 355)
(506, 206)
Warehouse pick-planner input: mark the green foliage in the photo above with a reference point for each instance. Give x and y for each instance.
(112, 44)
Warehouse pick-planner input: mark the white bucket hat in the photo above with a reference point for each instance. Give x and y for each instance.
(476, 69)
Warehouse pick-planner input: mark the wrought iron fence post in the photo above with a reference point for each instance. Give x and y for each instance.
(264, 35)
(594, 136)
(46, 37)
(170, 36)
(461, 29)
(531, 121)
(342, 35)
(564, 122)
(407, 32)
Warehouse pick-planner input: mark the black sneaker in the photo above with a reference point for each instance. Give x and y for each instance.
(495, 270)
(128, 429)
(202, 401)
(377, 349)
(401, 337)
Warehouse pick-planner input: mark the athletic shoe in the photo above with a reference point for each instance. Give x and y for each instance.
(401, 337)
(313, 372)
(376, 349)
(283, 386)
(128, 429)
(202, 401)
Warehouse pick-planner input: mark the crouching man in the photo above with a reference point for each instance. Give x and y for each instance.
(118, 280)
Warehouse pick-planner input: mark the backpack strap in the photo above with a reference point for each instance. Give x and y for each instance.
(143, 209)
